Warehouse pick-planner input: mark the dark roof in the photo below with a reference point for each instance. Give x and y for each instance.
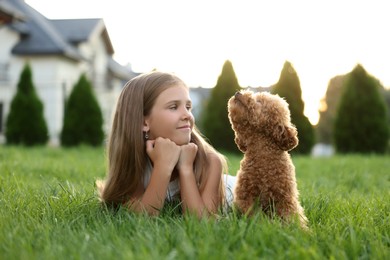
(8, 13)
(79, 30)
(41, 37)
(260, 89)
(120, 71)
(203, 93)
(76, 30)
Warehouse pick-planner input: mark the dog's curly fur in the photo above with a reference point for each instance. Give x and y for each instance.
(264, 133)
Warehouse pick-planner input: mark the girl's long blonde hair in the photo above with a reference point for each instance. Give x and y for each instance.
(127, 158)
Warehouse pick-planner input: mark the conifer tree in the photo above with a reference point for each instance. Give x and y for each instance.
(289, 88)
(25, 123)
(330, 104)
(361, 122)
(83, 119)
(216, 125)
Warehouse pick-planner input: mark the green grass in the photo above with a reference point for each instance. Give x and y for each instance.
(49, 210)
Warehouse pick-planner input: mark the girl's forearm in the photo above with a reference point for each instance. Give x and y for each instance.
(190, 196)
(152, 200)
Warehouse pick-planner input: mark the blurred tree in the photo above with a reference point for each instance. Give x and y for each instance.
(386, 95)
(328, 109)
(216, 126)
(330, 103)
(25, 123)
(83, 119)
(361, 124)
(289, 88)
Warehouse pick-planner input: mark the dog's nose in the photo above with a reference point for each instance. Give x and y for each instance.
(237, 94)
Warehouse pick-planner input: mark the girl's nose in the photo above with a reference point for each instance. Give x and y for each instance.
(186, 114)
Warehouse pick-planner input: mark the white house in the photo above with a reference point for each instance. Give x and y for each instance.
(58, 51)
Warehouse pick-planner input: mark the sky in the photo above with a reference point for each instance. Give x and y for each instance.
(193, 39)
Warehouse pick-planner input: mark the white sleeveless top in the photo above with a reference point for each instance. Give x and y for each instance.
(174, 186)
(173, 189)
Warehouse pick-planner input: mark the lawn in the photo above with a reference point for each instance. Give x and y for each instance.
(49, 210)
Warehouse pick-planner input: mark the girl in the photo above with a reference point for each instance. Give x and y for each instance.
(156, 153)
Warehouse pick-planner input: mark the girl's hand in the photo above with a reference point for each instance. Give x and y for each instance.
(163, 153)
(187, 157)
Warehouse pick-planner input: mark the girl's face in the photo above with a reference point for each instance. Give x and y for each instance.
(171, 116)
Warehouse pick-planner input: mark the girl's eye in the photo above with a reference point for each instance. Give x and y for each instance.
(189, 108)
(173, 107)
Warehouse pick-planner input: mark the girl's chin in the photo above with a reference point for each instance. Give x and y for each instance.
(182, 141)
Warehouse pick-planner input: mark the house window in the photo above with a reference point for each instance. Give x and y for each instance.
(109, 81)
(1, 117)
(4, 71)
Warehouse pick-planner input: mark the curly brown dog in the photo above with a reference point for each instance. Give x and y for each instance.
(264, 133)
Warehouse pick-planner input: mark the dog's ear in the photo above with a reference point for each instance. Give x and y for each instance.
(286, 137)
(240, 144)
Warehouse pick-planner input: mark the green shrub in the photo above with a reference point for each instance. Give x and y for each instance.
(289, 88)
(25, 123)
(329, 105)
(216, 126)
(83, 119)
(361, 124)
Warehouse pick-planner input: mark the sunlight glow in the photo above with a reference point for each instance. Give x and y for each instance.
(322, 39)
